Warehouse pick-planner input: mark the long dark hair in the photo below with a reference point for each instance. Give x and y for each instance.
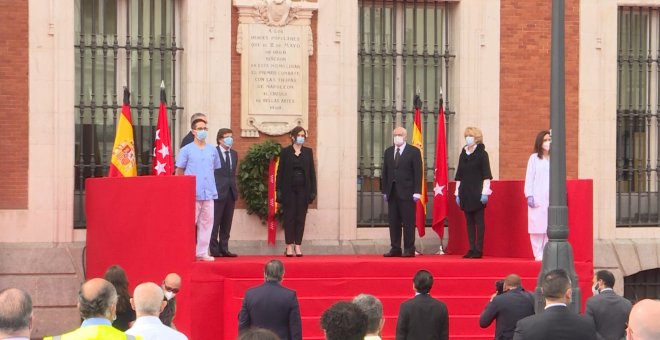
(117, 276)
(538, 144)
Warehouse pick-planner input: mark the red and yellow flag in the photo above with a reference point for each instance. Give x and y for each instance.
(122, 163)
(418, 141)
(272, 202)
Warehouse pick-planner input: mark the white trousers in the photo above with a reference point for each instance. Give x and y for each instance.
(204, 222)
(538, 243)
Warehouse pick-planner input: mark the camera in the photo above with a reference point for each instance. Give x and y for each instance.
(499, 286)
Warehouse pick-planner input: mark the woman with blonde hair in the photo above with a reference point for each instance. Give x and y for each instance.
(473, 188)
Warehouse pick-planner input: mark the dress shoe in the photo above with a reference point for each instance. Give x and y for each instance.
(228, 254)
(408, 255)
(287, 254)
(468, 255)
(476, 255)
(392, 254)
(205, 258)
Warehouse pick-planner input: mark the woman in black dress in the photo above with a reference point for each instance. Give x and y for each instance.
(296, 189)
(473, 188)
(125, 313)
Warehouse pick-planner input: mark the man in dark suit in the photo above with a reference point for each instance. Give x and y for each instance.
(513, 304)
(423, 317)
(272, 306)
(401, 185)
(608, 311)
(556, 322)
(225, 183)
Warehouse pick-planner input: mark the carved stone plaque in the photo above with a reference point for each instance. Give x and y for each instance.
(275, 42)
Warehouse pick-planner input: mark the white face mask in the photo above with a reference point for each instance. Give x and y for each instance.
(398, 140)
(169, 295)
(594, 289)
(546, 146)
(469, 140)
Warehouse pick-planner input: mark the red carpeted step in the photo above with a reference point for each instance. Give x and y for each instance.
(464, 285)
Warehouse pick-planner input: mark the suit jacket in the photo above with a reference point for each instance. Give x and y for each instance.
(273, 307)
(187, 139)
(423, 318)
(507, 309)
(225, 179)
(407, 173)
(555, 323)
(285, 173)
(609, 313)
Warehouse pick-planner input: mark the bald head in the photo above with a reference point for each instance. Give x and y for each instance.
(97, 298)
(15, 313)
(512, 281)
(643, 321)
(173, 280)
(148, 299)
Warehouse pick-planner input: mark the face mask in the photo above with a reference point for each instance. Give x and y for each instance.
(300, 140)
(594, 289)
(201, 134)
(469, 140)
(169, 295)
(546, 146)
(398, 140)
(229, 141)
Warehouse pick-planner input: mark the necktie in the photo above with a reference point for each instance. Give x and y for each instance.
(228, 159)
(396, 157)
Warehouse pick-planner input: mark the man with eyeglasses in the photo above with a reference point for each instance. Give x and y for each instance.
(200, 160)
(171, 286)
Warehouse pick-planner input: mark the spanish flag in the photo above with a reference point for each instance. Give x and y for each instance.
(122, 163)
(418, 141)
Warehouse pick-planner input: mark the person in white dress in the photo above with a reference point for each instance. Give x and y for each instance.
(537, 191)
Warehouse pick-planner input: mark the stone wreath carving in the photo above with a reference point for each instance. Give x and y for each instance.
(276, 12)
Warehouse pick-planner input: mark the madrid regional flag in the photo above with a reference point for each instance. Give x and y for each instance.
(162, 165)
(122, 163)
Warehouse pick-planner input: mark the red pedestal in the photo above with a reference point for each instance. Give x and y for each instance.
(146, 225)
(506, 221)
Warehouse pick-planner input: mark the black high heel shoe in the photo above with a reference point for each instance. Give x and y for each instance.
(287, 254)
(298, 254)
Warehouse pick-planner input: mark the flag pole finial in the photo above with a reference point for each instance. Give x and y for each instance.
(162, 84)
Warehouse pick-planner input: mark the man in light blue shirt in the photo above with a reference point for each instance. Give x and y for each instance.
(148, 303)
(200, 160)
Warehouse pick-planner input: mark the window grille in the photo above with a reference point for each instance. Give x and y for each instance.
(121, 43)
(642, 285)
(403, 49)
(638, 91)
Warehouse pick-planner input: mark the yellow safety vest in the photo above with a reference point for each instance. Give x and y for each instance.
(95, 332)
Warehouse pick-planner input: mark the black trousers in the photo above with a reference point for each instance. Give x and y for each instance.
(401, 214)
(223, 214)
(295, 213)
(475, 224)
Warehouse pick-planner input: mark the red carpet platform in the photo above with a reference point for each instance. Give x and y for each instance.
(465, 285)
(146, 225)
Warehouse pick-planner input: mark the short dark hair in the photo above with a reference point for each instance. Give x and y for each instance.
(423, 281)
(556, 283)
(344, 321)
(296, 130)
(606, 276)
(221, 133)
(194, 122)
(372, 308)
(258, 334)
(538, 143)
(98, 305)
(15, 310)
(274, 270)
